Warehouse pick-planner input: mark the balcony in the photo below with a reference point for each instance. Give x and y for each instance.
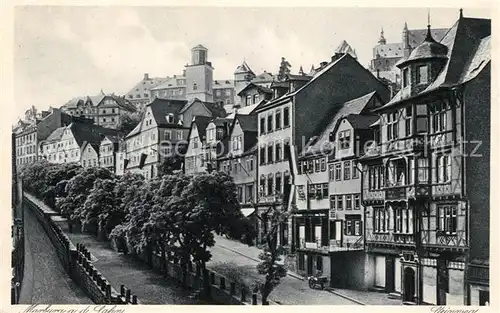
(334, 245)
(390, 239)
(437, 240)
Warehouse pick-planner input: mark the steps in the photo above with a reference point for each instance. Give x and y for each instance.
(394, 295)
(377, 289)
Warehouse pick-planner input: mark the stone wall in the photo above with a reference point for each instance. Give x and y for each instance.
(76, 262)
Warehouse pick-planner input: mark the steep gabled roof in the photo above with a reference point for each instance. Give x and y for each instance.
(361, 121)
(467, 42)
(86, 132)
(160, 108)
(94, 146)
(329, 123)
(248, 123)
(56, 134)
(201, 123)
(259, 87)
(214, 109)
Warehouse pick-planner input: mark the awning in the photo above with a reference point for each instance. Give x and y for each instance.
(247, 212)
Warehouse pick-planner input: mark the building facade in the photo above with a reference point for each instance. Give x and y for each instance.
(387, 55)
(90, 155)
(288, 122)
(160, 132)
(140, 94)
(329, 217)
(36, 128)
(104, 110)
(427, 229)
(108, 150)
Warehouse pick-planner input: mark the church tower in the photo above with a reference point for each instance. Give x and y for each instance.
(406, 41)
(199, 75)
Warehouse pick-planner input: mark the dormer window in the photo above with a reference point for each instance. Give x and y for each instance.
(195, 87)
(421, 73)
(169, 118)
(406, 77)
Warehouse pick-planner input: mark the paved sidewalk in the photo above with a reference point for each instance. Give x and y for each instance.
(294, 288)
(150, 287)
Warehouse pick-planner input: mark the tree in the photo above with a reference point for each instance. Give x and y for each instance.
(102, 210)
(207, 204)
(170, 164)
(271, 258)
(77, 190)
(284, 69)
(56, 174)
(128, 121)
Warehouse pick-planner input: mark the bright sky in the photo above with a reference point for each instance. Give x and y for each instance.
(63, 52)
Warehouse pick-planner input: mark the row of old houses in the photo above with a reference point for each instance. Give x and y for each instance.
(386, 191)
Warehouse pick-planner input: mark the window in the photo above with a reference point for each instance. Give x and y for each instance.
(235, 166)
(422, 170)
(179, 135)
(439, 117)
(167, 134)
(278, 120)
(338, 171)
(262, 125)
(331, 172)
(278, 182)
(422, 74)
(228, 92)
(392, 126)
(323, 164)
(353, 225)
(406, 77)
(325, 191)
(278, 152)
(347, 170)
(381, 220)
(340, 203)
(270, 190)
(217, 93)
(316, 165)
(248, 100)
(249, 193)
(255, 99)
(345, 139)
(269, 154)
(356, 202)
(250, 164)
(355, 171)
(310, 168)
(443, 168)
(286, 151)
(286, 117)
(348, 202)
(262, 155)
(112, 110)
(270, 123)
(408, 121)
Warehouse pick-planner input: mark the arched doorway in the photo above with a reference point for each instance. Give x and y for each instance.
(409, 284)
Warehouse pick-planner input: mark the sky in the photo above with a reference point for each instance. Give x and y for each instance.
(64, 52)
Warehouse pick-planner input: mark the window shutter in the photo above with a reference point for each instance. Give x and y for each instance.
(324, 232)
(361, 228)
(332, 229)
(308, 229)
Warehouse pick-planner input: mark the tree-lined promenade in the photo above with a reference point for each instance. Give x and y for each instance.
(174, 214)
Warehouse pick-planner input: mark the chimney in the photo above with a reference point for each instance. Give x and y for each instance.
(183, 72)
(378, 73)
(323, 64)
(146, 76)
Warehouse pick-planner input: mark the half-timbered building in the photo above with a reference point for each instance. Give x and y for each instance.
(426, 196)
